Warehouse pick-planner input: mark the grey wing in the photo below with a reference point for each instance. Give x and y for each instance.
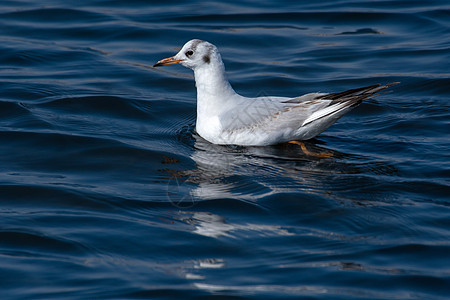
(305, 98)
(272, 112)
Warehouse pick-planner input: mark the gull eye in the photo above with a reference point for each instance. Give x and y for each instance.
(189, 53)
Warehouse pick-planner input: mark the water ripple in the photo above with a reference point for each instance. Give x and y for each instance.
(108, 192)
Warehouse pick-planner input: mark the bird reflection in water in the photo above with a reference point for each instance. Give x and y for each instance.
(251, 173)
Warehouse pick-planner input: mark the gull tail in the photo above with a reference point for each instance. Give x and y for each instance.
(356, 96)
(344, 101)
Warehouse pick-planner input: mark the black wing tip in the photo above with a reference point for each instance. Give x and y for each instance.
(371, 92)
(391, 84)
(354, 97)
(362, 92)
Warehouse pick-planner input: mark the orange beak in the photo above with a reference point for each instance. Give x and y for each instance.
(167, 61)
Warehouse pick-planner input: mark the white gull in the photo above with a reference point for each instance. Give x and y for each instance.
(225, 117)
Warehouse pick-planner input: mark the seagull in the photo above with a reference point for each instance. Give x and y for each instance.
(227, 118)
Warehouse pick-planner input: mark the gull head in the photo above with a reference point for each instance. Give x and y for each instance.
(194, 54)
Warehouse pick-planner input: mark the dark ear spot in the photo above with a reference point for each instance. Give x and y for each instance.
(206, 59)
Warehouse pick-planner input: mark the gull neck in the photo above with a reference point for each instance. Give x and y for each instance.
(212, 83)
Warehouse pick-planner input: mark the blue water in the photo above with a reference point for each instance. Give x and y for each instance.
(107, 192)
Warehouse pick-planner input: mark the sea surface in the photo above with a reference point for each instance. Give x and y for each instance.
(107, 191)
